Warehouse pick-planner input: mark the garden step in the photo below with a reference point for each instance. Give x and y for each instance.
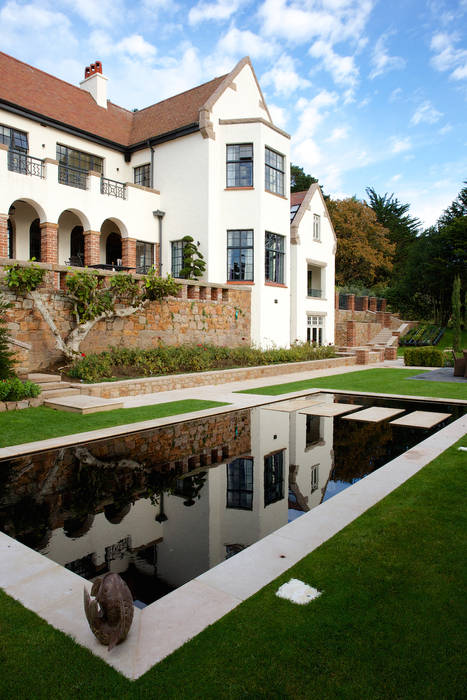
(54, 393)
(40, 378)
(47, 386)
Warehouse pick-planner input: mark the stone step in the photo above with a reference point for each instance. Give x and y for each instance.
(40, 378)
(55, 393)
(48, 386)
(84, 404)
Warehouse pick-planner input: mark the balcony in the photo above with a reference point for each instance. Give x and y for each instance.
(25, 165)
(113, 188)
(73, 177)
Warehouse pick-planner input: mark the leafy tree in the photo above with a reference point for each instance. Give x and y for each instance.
(364, 252)
(299, 181)
(456, 314)
(6, 356)
(194, 264)
(393, 215)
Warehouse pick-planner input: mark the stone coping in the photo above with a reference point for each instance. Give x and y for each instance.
(149, 385)
(55, 593)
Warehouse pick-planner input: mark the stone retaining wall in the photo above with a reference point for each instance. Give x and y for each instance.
(149, 385)
(201, 313)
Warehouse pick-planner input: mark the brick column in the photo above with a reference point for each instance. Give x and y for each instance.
(364, 303)
(350, 302)
(336, 300)
(383, 304)
(363, 357)
(351, 333)
(3, 235)
(129, 252)
(387, 319)
(373, 303)
(157, 258)
(380, 318)
(49, 242)
(390, 353)
(92, 250)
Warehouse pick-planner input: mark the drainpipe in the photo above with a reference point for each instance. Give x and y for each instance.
(160, 215)
(151, 183)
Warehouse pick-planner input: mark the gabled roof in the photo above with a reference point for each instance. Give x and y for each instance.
(28, 88)
(299, 202)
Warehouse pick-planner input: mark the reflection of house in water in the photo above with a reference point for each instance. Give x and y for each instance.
(173, 502)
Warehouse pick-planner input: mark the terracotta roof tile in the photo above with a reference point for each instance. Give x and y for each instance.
(297, 197)
(30, 88)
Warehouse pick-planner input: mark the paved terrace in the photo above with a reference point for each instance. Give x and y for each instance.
(55, 593)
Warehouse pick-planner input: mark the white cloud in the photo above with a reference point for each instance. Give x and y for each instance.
(104, 13)
(447, 57)
(395, 178)
(381, 61)
(426, 114)
(283, 77)
(238, 43)
(343, 70)
(445, 129)
(219, 11)
(297, 22)
(338, 134)
(279, 115)
(135, 45)
(395, 95)
(399, 145)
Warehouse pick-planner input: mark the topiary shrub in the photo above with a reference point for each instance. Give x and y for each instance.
(423, 357)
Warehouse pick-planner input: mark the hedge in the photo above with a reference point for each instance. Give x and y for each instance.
(423, 357)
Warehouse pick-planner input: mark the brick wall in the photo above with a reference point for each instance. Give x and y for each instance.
(217, 315)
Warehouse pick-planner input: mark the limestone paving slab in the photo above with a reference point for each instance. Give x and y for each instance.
(81, 403)
(330, 409)
(375, 414)
(421, 419)
(294, 404)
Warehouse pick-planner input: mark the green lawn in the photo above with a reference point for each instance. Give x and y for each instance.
(390, 622)
(30, 424)
(380, 381)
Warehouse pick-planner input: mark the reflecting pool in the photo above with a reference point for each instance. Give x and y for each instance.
(161, 506)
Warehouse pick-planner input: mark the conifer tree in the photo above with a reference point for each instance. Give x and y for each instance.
(456, 314)
(193, 261)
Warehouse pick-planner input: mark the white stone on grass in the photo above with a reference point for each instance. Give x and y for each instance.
(298, 592)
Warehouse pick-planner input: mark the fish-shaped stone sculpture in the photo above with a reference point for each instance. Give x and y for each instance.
(110, 612)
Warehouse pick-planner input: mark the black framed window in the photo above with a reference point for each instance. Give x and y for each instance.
(240, 255)
(240, 483)
(73, 166)
(274, 172)
(273, 477)
(144, 256)
(274, 258)
(240, 165)
(177, 257)
(142, 175)
(313, 430)
(14, 139)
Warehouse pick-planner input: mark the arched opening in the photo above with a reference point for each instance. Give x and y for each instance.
(24, 233)
(35, 240)
(77, 246)
(113, 249)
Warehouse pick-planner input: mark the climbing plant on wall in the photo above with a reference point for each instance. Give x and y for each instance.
(92, 301)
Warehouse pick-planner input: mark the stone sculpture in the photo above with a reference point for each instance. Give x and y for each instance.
(110, 613)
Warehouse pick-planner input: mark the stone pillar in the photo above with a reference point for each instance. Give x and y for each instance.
(92, 250)
(373, 303)
(49, 243)
(3, 235)
(129, 252)
(364, 303)
(351, 332)
(363, 357)
(350, 302)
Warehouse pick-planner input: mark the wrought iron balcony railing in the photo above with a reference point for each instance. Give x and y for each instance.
(24, 164)
(317, 293)
(113, 188)
(74, 177)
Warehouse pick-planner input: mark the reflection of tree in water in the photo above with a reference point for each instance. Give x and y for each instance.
(27, 521)
(360, 448)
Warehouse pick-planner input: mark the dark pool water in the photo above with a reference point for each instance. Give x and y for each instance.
(161, 506)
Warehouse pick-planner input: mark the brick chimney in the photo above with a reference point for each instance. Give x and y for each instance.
(95, 83)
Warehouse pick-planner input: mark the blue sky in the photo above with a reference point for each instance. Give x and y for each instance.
(374, 93)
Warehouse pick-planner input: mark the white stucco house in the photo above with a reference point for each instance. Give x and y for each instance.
(85, 182)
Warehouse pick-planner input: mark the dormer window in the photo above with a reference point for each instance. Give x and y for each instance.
(240, 165)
